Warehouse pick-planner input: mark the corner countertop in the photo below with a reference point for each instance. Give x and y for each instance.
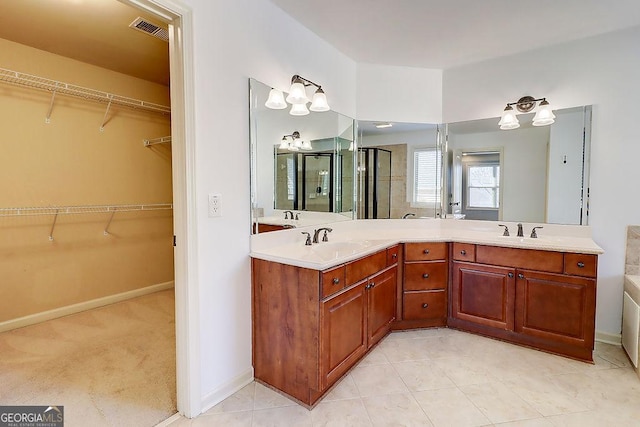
(351, 240)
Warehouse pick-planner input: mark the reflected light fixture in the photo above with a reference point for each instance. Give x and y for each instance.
(296, 144)
(383, 125)
(298, 99)
(544, 115)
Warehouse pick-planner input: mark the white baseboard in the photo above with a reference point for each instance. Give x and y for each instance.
(607, 338)
(169, 421)
(217, 396)
(32, 319)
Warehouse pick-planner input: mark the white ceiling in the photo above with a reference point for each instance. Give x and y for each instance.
(443, 34)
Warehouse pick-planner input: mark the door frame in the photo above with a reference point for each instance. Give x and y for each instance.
(179, 18)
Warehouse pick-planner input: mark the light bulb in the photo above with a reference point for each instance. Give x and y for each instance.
(297, 93)
(299, 110)
(509, 120)
(275, 100)
(319, 102)
(544, 116)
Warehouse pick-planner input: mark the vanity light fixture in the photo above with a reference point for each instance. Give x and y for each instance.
(296, 144)
(544, 115)
(298, 99)
(383, 125)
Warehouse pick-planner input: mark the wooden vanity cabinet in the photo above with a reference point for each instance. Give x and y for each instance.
(543, 299)
(424, 289)
(310, 327)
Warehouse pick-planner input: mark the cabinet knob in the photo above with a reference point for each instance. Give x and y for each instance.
(336, 280)
(370, 285)
(425, 276)
(426, 251)
(520, 276)
(394, 256)
(463, 252)
(425, 305)
(581, 264)
(510, 275)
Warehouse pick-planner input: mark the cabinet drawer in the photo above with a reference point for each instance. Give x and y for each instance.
(464, 252)
(530, 259)
(425, 305)
(365, 267)
(333, 281)
(422, 276)
(581, 265)
(425, 251)
(392, 255)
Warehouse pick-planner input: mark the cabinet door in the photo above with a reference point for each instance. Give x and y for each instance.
(556, 307)
(343, 335)
(483, 294)
(381, 304)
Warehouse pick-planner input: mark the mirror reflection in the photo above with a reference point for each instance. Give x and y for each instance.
(302, 166)
(529, 174)
(399, 170)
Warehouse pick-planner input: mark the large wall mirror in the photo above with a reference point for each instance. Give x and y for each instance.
(302, 167)
(399, 170)
(529, 174)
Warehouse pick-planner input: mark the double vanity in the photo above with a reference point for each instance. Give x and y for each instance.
(318, 309)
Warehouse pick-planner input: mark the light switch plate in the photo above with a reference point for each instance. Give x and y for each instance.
(215, 205)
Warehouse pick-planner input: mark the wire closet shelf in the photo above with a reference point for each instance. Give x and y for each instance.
(55, 87)
(70, 210)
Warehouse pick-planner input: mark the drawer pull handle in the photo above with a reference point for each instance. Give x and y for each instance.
(425, 276)
(510, 275)
(581, 264)
(463, 252)
(520, 276)
(336, 280)
(426, 251)
(425, 305)
(370, 285)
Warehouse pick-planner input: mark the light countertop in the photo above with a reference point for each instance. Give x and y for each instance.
(351, 240)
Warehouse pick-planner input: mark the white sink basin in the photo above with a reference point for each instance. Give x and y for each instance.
(328, 251)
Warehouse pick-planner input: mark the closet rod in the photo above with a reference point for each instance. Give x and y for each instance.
(55, 87)
(161, 140)
(67, 210)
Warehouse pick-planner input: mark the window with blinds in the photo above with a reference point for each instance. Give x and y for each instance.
(427, 167)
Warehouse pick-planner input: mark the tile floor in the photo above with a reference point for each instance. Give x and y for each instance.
(443, 377)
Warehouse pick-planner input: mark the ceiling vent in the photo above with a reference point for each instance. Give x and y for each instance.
(147, 27)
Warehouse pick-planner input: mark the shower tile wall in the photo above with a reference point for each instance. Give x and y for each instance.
(632, 262)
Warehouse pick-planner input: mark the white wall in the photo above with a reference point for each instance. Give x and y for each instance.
(602, 71)
(235, 40)
(400, 94)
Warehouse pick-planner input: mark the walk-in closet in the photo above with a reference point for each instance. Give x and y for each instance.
(87, 312)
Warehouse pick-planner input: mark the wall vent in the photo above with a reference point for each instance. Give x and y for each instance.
(152, 29)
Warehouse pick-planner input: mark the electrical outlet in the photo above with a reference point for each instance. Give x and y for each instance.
(215, 205)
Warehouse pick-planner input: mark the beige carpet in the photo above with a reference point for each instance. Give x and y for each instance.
(111, 366)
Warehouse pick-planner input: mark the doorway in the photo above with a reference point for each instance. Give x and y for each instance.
(477, 184)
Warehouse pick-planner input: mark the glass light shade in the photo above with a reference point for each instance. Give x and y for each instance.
(297, 94)
(319, 102)
(299, 110)
(306, 145)
(509, 120)
(544, 116)
(297, 142)
(293, 148)
(284, 145)
(275, 100)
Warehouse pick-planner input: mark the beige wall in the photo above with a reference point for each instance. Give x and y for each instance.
(71, 162)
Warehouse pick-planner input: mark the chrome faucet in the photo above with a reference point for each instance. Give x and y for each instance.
(286, 214)
(506, 229)
(307, 241)
(520, 232)
(316, 233)
(405, 216)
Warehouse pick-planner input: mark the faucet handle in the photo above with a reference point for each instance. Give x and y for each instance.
(307, 242)
(534, 235)
(325, 238)
(297, 216)
(506, 229)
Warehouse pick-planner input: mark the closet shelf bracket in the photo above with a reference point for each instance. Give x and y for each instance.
(106, 228)
(47, 120)
(106, 113)
(53, 226)
(161, 140)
